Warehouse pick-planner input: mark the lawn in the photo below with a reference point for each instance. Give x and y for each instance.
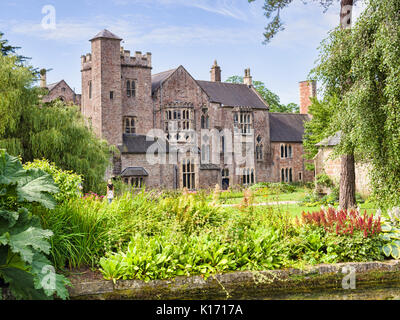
(278, 198)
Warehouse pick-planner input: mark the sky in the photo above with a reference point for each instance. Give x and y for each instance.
(192, 33)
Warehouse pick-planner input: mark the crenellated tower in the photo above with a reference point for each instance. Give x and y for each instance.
(116, 89)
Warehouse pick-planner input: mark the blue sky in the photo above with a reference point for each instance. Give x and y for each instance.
(192, 33)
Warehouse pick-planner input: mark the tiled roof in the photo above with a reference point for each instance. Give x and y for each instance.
(139, 144)
(157, 79)
(287, 127)
(331, 141)
(134, 172)
(53, 85)
(106, 34)
(232, 95)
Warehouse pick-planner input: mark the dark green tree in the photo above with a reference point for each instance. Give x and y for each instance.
(271, 98)
(56, 132)
(363, 67)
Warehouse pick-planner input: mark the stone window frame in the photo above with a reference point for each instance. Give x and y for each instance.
(259, 149)
(90, 85)
(244, 121)
(287, 175)
(131, 88)
(188, 174)
(129, 128)
(286, 151)
(178, 119)
(205, 119)
(136, 182)
(248, 176)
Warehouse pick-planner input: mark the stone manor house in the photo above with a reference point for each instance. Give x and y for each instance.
(173, 115)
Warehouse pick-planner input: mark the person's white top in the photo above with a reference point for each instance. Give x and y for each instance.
(110, 195)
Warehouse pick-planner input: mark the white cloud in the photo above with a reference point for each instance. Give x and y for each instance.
(236, 9)
(135, 30)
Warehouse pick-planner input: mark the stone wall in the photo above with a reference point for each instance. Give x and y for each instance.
(325, 164)
(160, 176)
(275, 284)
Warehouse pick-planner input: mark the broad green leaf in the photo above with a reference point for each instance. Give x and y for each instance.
(22, 284)
(23, 243)
(386, 228)
(47, 279)
(10, 169)
(395, 251)
(385, 237)
(9, 216)
(387, 250)
(37, 186)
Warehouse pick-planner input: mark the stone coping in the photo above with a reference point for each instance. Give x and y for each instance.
(241, 285)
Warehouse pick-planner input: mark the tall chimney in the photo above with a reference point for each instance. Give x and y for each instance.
(247, 80)
(43, 81)
(308, 90)
(215, 72)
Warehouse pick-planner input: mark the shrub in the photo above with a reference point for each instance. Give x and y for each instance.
(69, 183)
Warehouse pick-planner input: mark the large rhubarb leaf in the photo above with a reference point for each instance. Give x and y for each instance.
(47, 279)
(37, 186)
(10, 169)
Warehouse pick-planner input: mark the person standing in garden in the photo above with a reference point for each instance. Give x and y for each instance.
(110, 191)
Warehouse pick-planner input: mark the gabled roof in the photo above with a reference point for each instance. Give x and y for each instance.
(54, 85)
(134, 172)
(287, 127)
(228, 94)
(232, 95)
(139, 144)
(331, 141)
(105, 34)
(157, 79)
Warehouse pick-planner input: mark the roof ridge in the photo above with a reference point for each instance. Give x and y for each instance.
(156, 74)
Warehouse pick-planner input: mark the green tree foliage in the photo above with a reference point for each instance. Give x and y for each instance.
(52, 131)
(23, 243)
(271, 98)
(319, 127)
(363, 65)
(68, 182)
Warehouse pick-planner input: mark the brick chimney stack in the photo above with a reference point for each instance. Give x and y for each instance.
(308, 90)
(43, 80)
(215, 72)
(248, 79)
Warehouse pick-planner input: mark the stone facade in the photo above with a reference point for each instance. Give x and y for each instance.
(60, 90)
(124, 103)
(294, 163)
